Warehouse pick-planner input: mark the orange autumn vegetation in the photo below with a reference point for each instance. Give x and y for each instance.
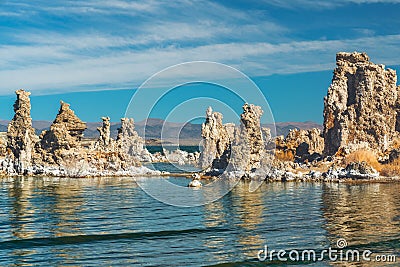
(284, 155)
(364, 155)
(396, 143)
(391, 169)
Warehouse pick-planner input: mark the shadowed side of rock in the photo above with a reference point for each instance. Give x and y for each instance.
(301, 144)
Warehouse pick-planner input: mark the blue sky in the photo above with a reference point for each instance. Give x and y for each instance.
(92, 53)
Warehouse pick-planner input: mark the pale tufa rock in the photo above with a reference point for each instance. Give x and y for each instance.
(65, 134)
(360, 108)
(130, 143)
(216, 140)
(251, 136)
(21, 137)
(105, 142)
(305, 142)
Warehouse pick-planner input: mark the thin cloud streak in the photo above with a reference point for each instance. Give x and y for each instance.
(322, 4)
(125, 42)
(254, 59)
(161, 32)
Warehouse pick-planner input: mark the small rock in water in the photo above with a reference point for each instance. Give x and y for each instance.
(196, 176)
(195, 183)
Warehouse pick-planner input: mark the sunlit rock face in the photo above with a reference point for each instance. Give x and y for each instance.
(398, 110)
(65, 133)
(129, 143)
(216, 141)
(62, 150)
(105, 142)
(361, 106)
(250, 138)
(67, 118)
(305, 142)
(241, 148)
(21, 137)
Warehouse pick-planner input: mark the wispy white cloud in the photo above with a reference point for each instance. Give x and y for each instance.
(35, 47)
(149, 34)
(373, 1)
(133, 67)
(322, 4)
(125, 42)
(9, 14)
(86, 7)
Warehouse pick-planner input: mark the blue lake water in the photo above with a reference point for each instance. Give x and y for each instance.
(112, 222)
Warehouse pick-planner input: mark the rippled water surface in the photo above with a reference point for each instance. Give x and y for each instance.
(112, 222)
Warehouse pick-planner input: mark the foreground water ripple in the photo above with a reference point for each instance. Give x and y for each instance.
(112, 222)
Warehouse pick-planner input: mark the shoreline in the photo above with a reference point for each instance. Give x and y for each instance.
(344, 150)
(189, 176)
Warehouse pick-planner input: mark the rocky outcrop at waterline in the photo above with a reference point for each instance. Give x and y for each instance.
(251, 135)
(361, 112)
(238, 148)
(362, 106)
(250, 149)
(235, 149)
(65, 135)
(216, 142)
(360, 139)
(250, 143)
(62, 150)
(130, 143)
(177, 157)
(105, 142)
(21, 137)
(301, 144)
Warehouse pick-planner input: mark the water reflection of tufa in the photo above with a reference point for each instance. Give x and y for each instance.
(362, 214)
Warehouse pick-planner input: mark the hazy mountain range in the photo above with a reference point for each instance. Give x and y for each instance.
(189, 132)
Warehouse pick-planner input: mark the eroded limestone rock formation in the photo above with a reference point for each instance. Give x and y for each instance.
(129, 142)
(248, 145)
(240, 148)
(305, 142)
(360, 108)
(240, 151)
(65, 133)
(216, 141)
(398, 110)
(67, 118)
(62, 151)
(21, 137)
(105, 142)
(251, 130)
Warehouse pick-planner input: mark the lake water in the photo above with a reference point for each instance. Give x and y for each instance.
(112, 222)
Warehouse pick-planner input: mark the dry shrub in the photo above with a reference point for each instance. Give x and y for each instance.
(391, 169)
(396, 143)
(364, 155)
(321, 166)
(286, 155)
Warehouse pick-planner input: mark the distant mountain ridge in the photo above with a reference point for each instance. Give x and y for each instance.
(171, 130)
